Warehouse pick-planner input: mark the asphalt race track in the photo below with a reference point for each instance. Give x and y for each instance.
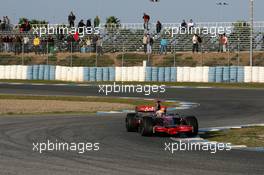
(121, 152)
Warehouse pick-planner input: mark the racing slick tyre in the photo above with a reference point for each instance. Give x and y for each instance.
(146, 126)
(131, 125)
(192, 121)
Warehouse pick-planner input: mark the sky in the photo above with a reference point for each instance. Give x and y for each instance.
(131, 11)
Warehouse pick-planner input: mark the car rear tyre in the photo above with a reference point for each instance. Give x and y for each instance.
(146, 128)
(192, 121)
(131, 122)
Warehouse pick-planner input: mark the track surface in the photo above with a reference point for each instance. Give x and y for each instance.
(122, 152)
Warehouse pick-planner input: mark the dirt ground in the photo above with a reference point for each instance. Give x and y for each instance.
(52, 106)
(208, 59)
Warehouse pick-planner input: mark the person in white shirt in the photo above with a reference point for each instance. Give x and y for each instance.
(25, 44)
(190, 24)
(145, 42)
(195, 43)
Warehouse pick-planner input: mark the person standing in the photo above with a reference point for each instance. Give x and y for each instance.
(71, 19)
(195, 42)
(81, 26)
(25, 44)
(163, 46)
(1, 44)
(146, 19)
(220, 43)
(36, 44)
(99, 46)
(145, 42)
(190, 25)
(17, 45)
(158, 27)
(149, 44)
(88, 23)
(224, 42)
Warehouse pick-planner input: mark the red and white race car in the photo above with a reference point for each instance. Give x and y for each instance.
(147, 122)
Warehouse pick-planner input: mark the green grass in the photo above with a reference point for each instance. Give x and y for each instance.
(251, 137)
(189, 84)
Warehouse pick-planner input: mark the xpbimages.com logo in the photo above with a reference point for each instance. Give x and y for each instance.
(56, 146)
(64, 30)
(213, 31)
(126, 88)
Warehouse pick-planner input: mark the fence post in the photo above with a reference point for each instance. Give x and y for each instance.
(238, 52)
(71, 54)
(22, 53)
(96, 55)
(47, 52)
(174, 53)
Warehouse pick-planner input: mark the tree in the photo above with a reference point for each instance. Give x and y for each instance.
(96, 21)
(112, 21)
(32, 21)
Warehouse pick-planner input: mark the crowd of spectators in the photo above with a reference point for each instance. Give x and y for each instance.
(5, 24)
(19, 44)
(92, 43)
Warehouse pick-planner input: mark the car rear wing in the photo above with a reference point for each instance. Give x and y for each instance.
(148, 108)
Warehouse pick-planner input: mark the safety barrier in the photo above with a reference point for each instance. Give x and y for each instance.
(219, 74)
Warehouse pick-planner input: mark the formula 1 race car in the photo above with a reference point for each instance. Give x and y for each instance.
(147, 122)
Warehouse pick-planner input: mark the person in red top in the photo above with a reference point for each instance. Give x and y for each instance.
(224, 42)
(146, 19)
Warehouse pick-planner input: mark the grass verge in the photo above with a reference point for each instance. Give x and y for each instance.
(129, 101)
(30, 104)
(251, 136)
(189, 84)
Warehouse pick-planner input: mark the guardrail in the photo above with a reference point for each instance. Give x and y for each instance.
(220, 74)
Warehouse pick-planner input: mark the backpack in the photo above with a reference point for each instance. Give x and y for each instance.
(199, 39)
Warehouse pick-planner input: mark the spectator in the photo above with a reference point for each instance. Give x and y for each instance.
(1, 25)
(71, 19)
(5, 41)
(195, 43)
(25, 44)
(7, 25)
(224, 42)
(81, 26)
(36, 44)
(145, 42)
(190, 25)
(60, 35)
(1, 44)
(4, 23)
(158, 27)
(7, 20)
(99, 46)
(17, 45)
(184, 25)
(146, 19)
(43, 46)
(93, 43)
(88, 43)
(70, 42)
(50, 44)
(149, 44)
(220, 39)
(163, 46)
(88, 23)
(96, 21)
